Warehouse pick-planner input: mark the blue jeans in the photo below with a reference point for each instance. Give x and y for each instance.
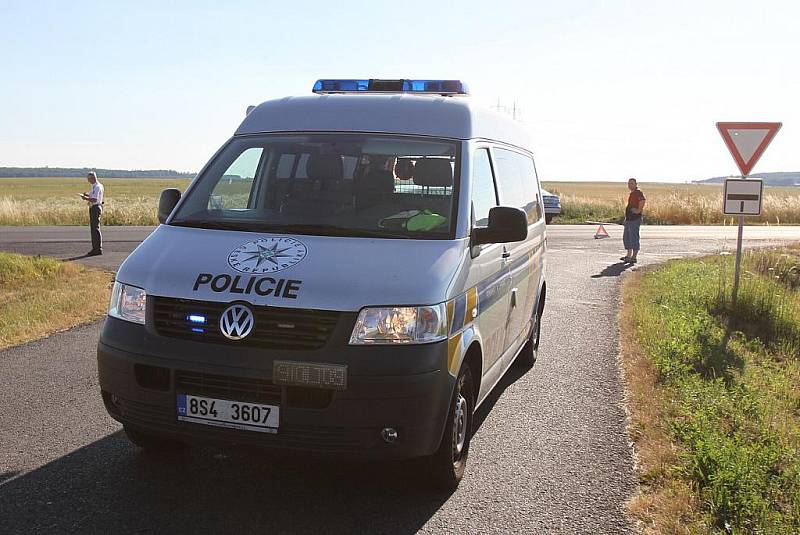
(630, 237)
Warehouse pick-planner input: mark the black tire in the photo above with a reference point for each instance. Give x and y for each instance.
(529, 352)
(151, 443)
(448, 464)
(548, 218)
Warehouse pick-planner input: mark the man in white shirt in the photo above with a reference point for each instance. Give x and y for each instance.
(95, 200)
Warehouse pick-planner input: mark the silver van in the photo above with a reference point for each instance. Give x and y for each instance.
(352, 273)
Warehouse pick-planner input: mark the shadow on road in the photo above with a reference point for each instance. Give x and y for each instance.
(614, 270)
(109, 486)
(75, 258)
(515, 372)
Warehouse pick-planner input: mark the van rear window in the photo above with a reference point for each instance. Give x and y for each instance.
(328, 184)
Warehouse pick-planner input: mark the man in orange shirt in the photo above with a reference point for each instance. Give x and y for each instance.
(633, 220)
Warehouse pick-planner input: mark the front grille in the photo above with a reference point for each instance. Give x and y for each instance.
(243, 389)
(275, 328)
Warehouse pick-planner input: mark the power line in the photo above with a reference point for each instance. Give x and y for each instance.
(513, 110)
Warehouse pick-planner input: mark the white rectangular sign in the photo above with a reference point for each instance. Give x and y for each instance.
(743, 196)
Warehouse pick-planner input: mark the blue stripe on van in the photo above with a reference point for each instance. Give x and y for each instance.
(489, 293)
(488, 290)
(492, 289)
(459, 313)
(520, 262)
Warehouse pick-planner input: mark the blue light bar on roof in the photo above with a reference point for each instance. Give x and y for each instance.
(431, 87)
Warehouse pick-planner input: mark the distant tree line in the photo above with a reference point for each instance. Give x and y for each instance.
(770, 179)
(10, 172)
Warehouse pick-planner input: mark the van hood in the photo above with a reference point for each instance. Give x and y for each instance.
(315, 272)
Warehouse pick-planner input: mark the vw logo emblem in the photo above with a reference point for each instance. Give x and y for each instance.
(267, 255)
(236, 322)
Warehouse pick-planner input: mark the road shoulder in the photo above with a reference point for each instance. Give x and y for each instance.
(42, 296)
(712, 394)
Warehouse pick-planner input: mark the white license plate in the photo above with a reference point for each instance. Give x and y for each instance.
(226, 413)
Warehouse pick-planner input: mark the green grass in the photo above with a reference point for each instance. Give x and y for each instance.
(67, 188)
(727, 388)
(54, 201)
(577, 211)
(42, 295)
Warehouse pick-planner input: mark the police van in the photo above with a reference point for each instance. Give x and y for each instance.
(352, 272)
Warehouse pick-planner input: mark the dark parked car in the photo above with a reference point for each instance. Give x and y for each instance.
(552, 205)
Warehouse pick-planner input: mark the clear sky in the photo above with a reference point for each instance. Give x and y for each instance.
(608, 89)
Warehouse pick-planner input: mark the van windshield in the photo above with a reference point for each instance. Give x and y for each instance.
(328, 184)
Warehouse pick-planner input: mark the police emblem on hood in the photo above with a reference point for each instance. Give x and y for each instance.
(267, 255)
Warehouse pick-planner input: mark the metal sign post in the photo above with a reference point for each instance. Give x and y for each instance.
(741, 196)
(746, 143)
(738, 268)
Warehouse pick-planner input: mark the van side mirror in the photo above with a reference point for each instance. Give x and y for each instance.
(167, 202)
(506, 224)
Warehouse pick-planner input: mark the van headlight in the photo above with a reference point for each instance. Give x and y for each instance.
(400, 325)
(127, 303)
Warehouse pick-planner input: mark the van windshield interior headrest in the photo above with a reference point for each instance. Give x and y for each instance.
(433, 172)
(325, 167)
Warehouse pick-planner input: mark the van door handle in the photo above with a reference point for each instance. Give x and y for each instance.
(506, 254)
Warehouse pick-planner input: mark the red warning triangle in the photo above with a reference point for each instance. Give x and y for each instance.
(601, 233)
(747, 141)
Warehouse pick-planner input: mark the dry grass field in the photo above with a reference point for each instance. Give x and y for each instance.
(44, 295)
(667, 204)
(54, 201)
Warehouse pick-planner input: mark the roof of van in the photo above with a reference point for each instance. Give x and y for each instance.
(450, 117)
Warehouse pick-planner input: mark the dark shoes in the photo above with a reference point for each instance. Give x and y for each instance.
(94, 253)
(629, 259)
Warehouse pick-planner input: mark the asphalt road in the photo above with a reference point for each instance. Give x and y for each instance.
(72, 243)
(550, 453)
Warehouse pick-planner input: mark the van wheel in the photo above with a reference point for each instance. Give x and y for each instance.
(548, 218)
(527, 356)
(447, 465)
(151, 443)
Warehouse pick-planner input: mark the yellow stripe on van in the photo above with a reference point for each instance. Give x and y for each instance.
(472, 306)
(450, 310)
(453, 352)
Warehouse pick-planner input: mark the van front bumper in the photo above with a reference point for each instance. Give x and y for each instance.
(407, 388)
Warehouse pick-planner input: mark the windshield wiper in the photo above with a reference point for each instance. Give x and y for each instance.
(331, 230)
(319, 230)
(215, 225)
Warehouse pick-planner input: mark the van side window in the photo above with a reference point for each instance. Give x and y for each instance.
(484, 196)
(516, 180)
(233, 189)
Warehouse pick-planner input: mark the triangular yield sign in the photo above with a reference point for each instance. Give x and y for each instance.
(747, 141)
